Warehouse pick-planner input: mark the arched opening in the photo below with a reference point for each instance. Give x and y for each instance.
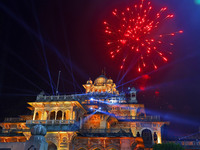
(64, 116)
(155, 137)
(59, 115)
(52, 115)
(138, 134)
(38, 115)
(52, 146)
(147, 137)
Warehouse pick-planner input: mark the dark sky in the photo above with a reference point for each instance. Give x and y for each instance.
(40, 37)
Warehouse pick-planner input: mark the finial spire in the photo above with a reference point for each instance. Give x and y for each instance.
(104, 71)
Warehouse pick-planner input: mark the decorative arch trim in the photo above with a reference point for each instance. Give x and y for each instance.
(112, 146)
(97, 146)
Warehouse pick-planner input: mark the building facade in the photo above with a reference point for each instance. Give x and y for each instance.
(102, 118)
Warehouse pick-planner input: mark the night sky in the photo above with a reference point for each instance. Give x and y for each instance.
(40, 37)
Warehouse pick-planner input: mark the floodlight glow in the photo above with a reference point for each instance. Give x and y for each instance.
(197, 2)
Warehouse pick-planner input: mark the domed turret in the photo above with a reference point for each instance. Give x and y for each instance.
(89, 81)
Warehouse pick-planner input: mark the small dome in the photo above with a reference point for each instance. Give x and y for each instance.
(109, 81)
(38, 130)
(100, 80)
(89, 81)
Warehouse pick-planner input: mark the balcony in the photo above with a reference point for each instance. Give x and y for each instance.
(55, 125)
(112, 132)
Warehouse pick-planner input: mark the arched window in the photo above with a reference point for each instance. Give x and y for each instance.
(52, 115)
(147, 137)
(59, 115)
(138, 134)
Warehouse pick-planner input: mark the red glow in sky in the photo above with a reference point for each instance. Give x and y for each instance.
(146, 76)
(142, 88)
(157, 92)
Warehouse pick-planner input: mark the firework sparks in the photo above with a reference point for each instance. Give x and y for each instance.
(134, 34)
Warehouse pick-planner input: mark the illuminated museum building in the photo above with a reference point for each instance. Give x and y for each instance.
(100, 119)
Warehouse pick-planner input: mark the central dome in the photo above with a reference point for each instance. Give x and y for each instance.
(100, 80)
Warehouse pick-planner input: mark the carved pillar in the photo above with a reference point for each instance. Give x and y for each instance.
(73, 116)
(71, 112)
(42, 115)
(81, 122)
(62, 115)
(34, 115)
(133, 129)
(159, 136)
(55, 115)
(48, 115)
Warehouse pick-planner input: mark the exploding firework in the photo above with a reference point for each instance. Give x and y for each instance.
(135, 35)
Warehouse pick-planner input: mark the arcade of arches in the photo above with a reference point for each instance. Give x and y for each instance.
(54, 115)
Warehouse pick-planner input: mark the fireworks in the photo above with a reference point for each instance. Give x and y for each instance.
(134, 34)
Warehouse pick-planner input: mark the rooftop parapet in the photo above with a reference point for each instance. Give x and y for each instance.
(13, 120)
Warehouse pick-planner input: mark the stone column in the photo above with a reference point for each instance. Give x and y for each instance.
(55, 115)
(133, 129)
(62, 115)
(42, 115)
(159, 136)
(34, 115)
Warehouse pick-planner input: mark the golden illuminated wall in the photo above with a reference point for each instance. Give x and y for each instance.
(17, 125)
(131, 110)
(96, 121)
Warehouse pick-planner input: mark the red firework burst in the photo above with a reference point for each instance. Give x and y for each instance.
(135, 33)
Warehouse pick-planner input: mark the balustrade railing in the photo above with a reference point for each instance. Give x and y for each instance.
(139, 118)
(14, 120)
(50, 122)
(110, 130)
